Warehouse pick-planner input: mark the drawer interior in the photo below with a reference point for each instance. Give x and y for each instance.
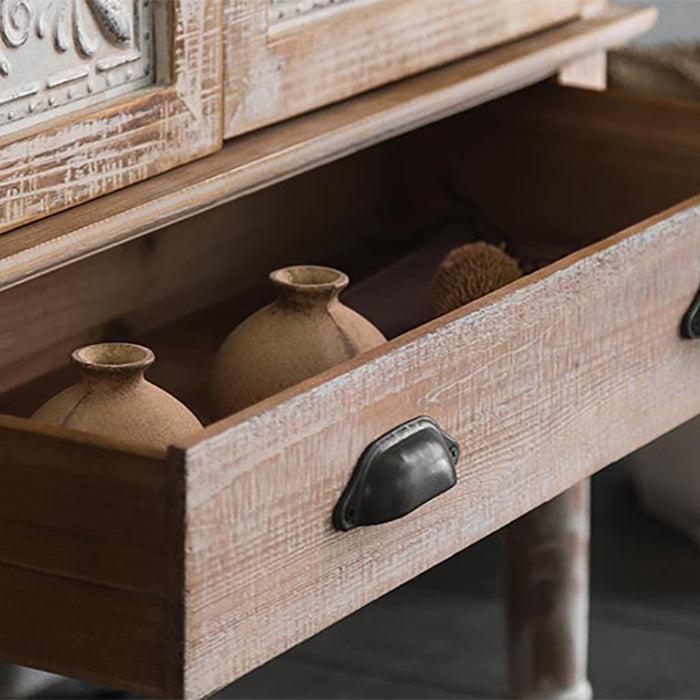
(546, 172)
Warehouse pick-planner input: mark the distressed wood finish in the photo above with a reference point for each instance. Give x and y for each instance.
(84, 630)
(548, 598)
(274, 72)
(537, 381)
(50, 167)
(258, 160)
(87, 557)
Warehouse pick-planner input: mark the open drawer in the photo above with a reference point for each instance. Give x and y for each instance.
(173, 575)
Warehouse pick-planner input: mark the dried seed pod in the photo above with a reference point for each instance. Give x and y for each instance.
(470, 272)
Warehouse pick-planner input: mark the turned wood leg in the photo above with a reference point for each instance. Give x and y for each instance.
(548, 599)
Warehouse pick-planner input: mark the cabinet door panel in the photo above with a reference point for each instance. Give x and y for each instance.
(98, 94)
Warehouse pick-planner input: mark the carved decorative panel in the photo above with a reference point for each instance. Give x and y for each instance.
(281, 10)
(60, 55)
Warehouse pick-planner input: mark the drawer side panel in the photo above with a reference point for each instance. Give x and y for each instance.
(88, 567)
(81, 510)
(80, 629)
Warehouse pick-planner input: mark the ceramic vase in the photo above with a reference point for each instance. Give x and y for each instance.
(303, 332)
(113, 399)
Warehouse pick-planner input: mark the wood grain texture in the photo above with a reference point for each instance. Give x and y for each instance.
(68, 161)
(98, 634)
(86, 542)
(275, 70)
(251, 162)
(94, 513)
(537, 381)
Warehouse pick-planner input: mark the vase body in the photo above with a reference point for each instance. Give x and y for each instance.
(306, 330)
(113, 399)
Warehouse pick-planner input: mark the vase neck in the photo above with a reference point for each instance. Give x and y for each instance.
(308, 285)
(112, 365)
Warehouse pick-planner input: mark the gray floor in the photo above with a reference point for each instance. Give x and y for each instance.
(442, 635)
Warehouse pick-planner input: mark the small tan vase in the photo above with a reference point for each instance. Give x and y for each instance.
(115, 400)
(303, 332)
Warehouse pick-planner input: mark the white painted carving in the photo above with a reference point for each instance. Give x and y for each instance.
(113, 17)
(15, 21)
(57, 55)
(281, 10)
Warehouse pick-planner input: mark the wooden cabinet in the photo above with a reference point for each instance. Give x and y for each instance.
(175, 574)
(98, 94)
(285, 57)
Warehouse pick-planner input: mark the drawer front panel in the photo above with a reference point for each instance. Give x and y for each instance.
(283, 58)
(542, 383)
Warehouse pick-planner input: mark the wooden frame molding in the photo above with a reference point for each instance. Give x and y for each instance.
(64, 162)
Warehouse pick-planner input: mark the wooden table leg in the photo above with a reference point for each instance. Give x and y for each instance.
(548, 599)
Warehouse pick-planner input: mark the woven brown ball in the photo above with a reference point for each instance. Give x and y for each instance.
(470, 272)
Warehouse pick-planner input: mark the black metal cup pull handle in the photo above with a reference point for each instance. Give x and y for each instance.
(690, 324)
(397, 473)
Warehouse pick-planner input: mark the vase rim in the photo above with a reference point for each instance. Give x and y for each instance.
(114, 357)
(310, 278)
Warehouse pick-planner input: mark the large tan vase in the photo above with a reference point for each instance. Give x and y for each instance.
(303, 332)
(113, 399)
